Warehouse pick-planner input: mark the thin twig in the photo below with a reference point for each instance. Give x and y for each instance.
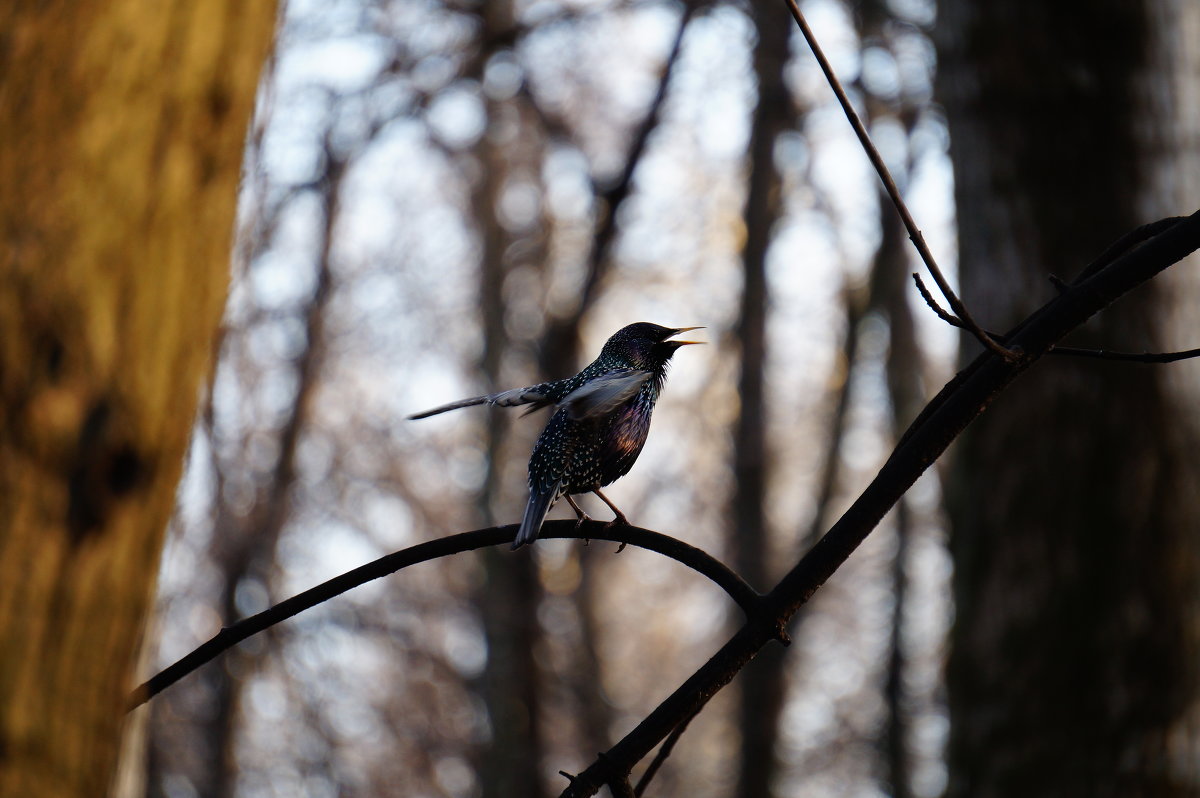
(663, 752)
(885, 175)
(949, 318)
(1128, 357)
(696, 559)
(1072, 351)
(619, 785)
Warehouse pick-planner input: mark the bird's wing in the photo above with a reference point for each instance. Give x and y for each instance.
(517, 396)
(605, 393)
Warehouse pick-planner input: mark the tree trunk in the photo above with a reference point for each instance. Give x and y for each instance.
(762, 685)
(1072, 503)
(120, 187)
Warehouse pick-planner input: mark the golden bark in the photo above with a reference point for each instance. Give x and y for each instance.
(119, 161)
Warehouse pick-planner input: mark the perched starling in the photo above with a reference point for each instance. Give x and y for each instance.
(600, 423)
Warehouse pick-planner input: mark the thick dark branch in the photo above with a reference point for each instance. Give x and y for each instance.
(885, 175)
(745, 596)
(959, 403)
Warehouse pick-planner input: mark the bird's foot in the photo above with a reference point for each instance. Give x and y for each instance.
(620, 520)
(580, 517)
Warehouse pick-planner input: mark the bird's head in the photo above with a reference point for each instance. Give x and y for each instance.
(645, 345)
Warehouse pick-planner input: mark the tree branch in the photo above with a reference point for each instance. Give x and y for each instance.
(696, 559)
(663, 752)
(885, 175)
(1072, 351)
(958, 403)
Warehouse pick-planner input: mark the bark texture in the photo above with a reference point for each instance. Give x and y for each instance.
(117, 215)
(1072, 503)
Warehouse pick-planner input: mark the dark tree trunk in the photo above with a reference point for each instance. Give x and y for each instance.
(510, 766)
(1072, 503)
(904, 368)
(762, 684)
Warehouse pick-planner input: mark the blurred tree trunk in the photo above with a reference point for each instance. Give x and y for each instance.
(1073, 501)
(120, 186)
(889, 287)
(762, 682)
(511, 764)
(244, 545)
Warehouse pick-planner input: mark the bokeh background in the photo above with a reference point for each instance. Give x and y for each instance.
(442, 199)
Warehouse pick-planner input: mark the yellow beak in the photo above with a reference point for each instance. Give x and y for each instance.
(679, 330)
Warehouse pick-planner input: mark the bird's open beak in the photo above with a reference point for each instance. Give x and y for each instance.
(679, 330)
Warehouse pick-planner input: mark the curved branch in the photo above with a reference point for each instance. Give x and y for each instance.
(699, 561)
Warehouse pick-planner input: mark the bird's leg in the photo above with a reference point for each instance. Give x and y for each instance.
(620, 516)
(582, 516)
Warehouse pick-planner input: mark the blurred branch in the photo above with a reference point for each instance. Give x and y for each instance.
(885, 175)
(696, 559)
(563, 333)
(1129, 357)
(962, 400)
(616, 194)
(854, 306)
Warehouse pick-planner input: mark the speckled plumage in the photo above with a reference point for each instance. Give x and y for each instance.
(600, 423)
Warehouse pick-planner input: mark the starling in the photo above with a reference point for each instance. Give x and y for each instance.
(600, 423)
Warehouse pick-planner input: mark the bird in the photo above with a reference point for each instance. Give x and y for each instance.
(600, 423)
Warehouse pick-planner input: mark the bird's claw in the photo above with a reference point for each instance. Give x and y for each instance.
(620, 520)
(580, 517)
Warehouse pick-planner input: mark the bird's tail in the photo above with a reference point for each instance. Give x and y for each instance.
(540, 502)
(517, 396)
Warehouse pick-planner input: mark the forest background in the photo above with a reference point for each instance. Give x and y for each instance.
(442, 199)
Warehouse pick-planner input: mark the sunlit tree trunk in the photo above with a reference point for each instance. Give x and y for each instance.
(119, 160)
(1073, 501)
